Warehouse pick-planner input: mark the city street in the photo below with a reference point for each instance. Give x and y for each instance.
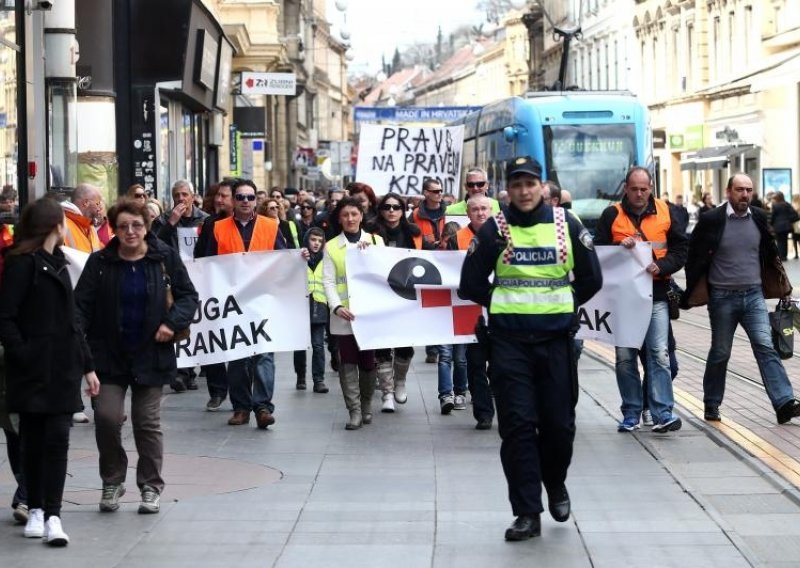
(420, 489)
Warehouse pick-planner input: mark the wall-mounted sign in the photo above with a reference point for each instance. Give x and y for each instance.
(269, 83)
(205, 62)
(659, 138)
(223, 89)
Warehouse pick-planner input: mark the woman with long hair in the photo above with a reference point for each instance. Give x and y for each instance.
(366, 197)
(46, 357)
(356, 366)
(124, 307)
(395, 229)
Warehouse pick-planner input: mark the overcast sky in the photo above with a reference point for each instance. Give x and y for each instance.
(378, 26)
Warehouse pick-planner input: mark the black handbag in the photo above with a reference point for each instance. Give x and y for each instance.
(674, 294)
(781, 321)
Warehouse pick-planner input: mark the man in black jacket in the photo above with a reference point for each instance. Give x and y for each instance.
(733, 265)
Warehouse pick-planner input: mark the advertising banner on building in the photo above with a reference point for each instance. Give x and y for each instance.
(408, 297)
(250, 303)
(619, 314)
(269, 84)
(399, 158)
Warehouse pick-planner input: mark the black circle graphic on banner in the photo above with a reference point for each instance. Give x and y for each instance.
(411, 272)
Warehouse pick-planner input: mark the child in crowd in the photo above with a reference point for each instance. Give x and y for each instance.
(314, 240)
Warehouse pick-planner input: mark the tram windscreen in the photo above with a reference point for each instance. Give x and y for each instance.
(590, 160)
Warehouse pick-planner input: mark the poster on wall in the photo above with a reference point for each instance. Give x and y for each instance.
(777, 180)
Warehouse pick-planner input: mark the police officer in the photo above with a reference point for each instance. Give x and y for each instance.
(532, 247)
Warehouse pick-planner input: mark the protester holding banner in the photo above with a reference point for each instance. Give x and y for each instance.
(639, 217)
(222, 203)
(544, 267)
(357, 370)
(396, 231)
(479, 209)
(46, 356)
(123, 305)
(252, 379)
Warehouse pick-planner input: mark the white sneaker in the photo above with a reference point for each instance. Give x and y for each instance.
(460, 402)
(400, 394)
(151, 501)
(388, 402)
(54, 535)
(647, 417)
(80, 418)
(34, 528)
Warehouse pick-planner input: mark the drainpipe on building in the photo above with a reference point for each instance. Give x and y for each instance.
(61, 90)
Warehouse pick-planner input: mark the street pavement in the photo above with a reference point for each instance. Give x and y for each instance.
(418, 489)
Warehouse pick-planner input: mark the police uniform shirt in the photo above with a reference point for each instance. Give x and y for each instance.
(488, 245)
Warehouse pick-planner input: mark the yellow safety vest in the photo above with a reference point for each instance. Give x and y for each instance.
(337, 254)
(315, 287)
(535, 282)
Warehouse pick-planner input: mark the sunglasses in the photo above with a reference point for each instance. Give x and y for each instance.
(391, 207)
(434, 190)
(272, 208)
(306, 207)
(139, 195)
(476, 183)
(245, 197)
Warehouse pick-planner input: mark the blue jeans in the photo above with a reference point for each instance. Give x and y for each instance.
(452, 379)
(258, 371)
(659, 386)
(726, 310)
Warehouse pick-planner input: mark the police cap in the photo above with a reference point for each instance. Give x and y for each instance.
(523, 165)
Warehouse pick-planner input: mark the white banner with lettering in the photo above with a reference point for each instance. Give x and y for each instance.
(187, 237)
(250, 303)
(619, 314)
(408, 297)
(399, 158)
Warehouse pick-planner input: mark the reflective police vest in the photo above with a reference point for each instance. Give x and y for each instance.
(532, 291)
(315, 287)
(653, 228)
(337, 252)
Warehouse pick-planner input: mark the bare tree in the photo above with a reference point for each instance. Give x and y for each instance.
(494, 9)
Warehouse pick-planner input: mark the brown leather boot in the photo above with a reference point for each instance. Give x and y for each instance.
(239, 418)
(264, 418)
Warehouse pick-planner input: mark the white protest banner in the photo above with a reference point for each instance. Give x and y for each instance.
(187, 237)
(76, 261)
(399, 158)
(408, 297)
(619, 314)
(250, 303)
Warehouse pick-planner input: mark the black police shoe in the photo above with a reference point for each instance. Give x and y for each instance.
(711, 413)
(558, 503)
(788, 411)
(524, 527)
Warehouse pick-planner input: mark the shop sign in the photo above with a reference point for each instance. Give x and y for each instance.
(234, 153)
(269, 84)
(694, 137)
(659, 138)
(676, 141)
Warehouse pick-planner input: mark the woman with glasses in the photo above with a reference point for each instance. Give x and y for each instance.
(121, 301)
(393, 226)
(356, 367)
(46, 357)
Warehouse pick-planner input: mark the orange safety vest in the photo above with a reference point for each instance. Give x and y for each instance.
(81, 234)
(417, 240)
(464, 237)
(229, 239)
(427, 227)
(654, 228)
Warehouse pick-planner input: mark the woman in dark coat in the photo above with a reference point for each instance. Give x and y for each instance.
(121, 301)
(46, 357)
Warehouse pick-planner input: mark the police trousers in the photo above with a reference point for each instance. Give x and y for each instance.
(535, 388)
